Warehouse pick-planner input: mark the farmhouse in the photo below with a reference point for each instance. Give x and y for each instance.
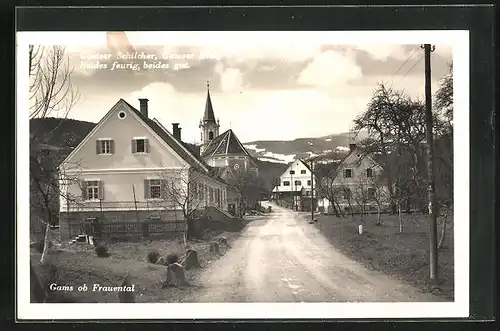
(295, 186)
(131, 168)
(355, 183)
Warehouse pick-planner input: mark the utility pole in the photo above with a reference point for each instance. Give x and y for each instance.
(291, 187)
(431, 189)
(312, 191)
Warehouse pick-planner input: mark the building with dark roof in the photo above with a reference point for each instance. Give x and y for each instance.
(222, 151)
(225, 153)
(129, 167)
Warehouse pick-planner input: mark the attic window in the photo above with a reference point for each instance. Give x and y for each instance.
(122, 115)
(140, 145)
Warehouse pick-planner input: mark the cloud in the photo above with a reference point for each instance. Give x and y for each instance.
(445, 51)
(231, 80)
(330, 68)
(384, 52)
(249, 52)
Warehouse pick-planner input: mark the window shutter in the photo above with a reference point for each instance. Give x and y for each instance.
(146, 189)
(112, 146)
(83, 185)
(98, 147)
(101, 190)
(134, 146)
(146, 146)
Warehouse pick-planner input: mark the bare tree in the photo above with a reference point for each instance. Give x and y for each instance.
(51, 92)
(248, 184)
(180, 189)
(444, 96)
(346, 195)
(359, 196)
(327, 185)
(395, 124)
(380, 193)
(444, 147)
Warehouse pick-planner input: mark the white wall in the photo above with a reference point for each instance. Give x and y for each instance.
(122, 131)
(296, 166)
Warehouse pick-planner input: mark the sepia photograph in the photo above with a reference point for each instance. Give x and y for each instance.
(312, 173)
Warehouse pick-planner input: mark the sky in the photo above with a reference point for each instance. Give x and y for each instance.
(268, 91)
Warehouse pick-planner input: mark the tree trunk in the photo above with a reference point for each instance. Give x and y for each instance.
(443, 232)
(45, 244)
(400, 219)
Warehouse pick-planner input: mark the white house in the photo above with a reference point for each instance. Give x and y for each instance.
(355, 182)
(130, 167)
(295, 185)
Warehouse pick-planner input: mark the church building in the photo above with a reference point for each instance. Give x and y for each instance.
(226, 153)
(223, 151)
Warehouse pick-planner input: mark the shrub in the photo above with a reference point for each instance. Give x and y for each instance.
(172, 258)
(153, 256)
(101, 251)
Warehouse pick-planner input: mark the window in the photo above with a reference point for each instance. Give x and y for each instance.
(155, 189)
(210, 135)
(92, 190)
(347, 173)
(309, 182)
(369, 172)
(302, 172)
(104, 146)
(298, 183)
(292, 172)
(308, 193)
(371, 193)
(347, 193)
(140, 145)
(286, 183)
(122, 115)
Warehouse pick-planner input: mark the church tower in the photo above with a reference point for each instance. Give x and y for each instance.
(209, 127)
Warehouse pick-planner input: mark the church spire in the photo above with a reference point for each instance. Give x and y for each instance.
(209, 111)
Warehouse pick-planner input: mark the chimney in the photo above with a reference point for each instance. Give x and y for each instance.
(176, 131)
(352, 147)
(143, 104)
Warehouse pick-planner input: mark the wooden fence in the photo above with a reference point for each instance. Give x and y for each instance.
(128, 230)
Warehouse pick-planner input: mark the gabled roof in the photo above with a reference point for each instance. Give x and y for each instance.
(182, 149)
(291, 164)
(225, 144)
(178, 146)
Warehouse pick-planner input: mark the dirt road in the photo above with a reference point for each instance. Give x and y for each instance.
(282, 258)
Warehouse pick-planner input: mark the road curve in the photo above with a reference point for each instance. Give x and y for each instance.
(282, 258)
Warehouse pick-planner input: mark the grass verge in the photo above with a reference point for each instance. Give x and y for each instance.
(403, 256)
(78, 264)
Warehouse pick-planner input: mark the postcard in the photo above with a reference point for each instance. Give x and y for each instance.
(242, 175)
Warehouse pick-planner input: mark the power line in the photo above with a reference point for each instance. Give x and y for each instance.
(404, 63)
(410, 69)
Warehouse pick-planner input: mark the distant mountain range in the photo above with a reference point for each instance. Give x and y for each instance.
(285, 151)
